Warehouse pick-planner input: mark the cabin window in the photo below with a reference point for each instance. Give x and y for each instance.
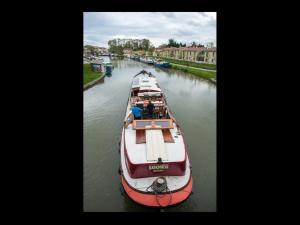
(153, 124)
(142, 124)
(162, 123)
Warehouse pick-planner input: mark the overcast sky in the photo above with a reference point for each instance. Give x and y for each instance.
(158, 27)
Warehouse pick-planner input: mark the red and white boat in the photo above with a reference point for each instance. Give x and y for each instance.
(155, 169)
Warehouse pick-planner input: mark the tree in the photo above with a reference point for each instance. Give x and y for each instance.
(193, 44)
(151, 49)
(117, 45)
(114, 47)
(171, 43)
(145, 44)
(128, 44)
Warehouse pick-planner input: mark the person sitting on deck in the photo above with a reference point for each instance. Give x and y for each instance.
(150, 108)
(137, 112)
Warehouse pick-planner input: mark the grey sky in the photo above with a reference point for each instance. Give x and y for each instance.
(158, 27)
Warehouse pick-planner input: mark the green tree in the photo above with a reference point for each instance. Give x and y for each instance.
(193, 44)
(145, 44)
(171, 43)
(117, 46)
(135, 45)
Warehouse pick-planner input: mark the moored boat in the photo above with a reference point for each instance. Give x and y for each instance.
(147, 60)
(142, 59)
(155, 169)
(135, 57)
(160, 63)
(108, 67)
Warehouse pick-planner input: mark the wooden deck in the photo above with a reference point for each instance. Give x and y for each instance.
(167, 136)
(141, 136)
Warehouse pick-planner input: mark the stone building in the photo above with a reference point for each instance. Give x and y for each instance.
(194, 54)
(210, 56)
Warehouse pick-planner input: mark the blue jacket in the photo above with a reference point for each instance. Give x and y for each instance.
(136, 111)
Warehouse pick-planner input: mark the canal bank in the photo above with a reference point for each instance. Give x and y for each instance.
(195, 71)
(92, 83)
(205, 66)
(90, 77)
(206, 71)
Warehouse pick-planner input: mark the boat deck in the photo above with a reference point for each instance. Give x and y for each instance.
(141, 136)
(174, 182)
(137, 147)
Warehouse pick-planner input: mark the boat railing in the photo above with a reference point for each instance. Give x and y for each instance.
(144, 72)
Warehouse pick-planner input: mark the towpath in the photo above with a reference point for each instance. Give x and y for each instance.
(193, 67)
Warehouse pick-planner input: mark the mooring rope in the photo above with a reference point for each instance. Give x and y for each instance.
(159, 189)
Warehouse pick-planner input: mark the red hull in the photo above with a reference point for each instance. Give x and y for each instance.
(152, 200)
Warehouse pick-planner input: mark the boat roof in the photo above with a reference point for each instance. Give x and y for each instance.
(155, 131)
(144, 82)
(146, 153)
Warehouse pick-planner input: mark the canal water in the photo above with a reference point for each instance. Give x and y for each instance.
(193, 103)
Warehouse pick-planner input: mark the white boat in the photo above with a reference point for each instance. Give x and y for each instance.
(147, 60)
(142, 59)
(155, 169)
(160, 63)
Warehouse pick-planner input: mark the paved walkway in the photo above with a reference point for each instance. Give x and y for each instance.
(193, 67)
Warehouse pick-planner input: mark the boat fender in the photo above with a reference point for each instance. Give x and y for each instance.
(120, 172)
(122, 190)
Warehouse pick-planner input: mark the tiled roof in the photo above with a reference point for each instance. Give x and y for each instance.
(188, 49)
(185, 49)
(210, 50)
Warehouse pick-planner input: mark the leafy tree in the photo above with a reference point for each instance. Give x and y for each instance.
(128, 45)
(151, 49)
(145, 44)
(173, 43)
(117, 45)
(135, 46)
